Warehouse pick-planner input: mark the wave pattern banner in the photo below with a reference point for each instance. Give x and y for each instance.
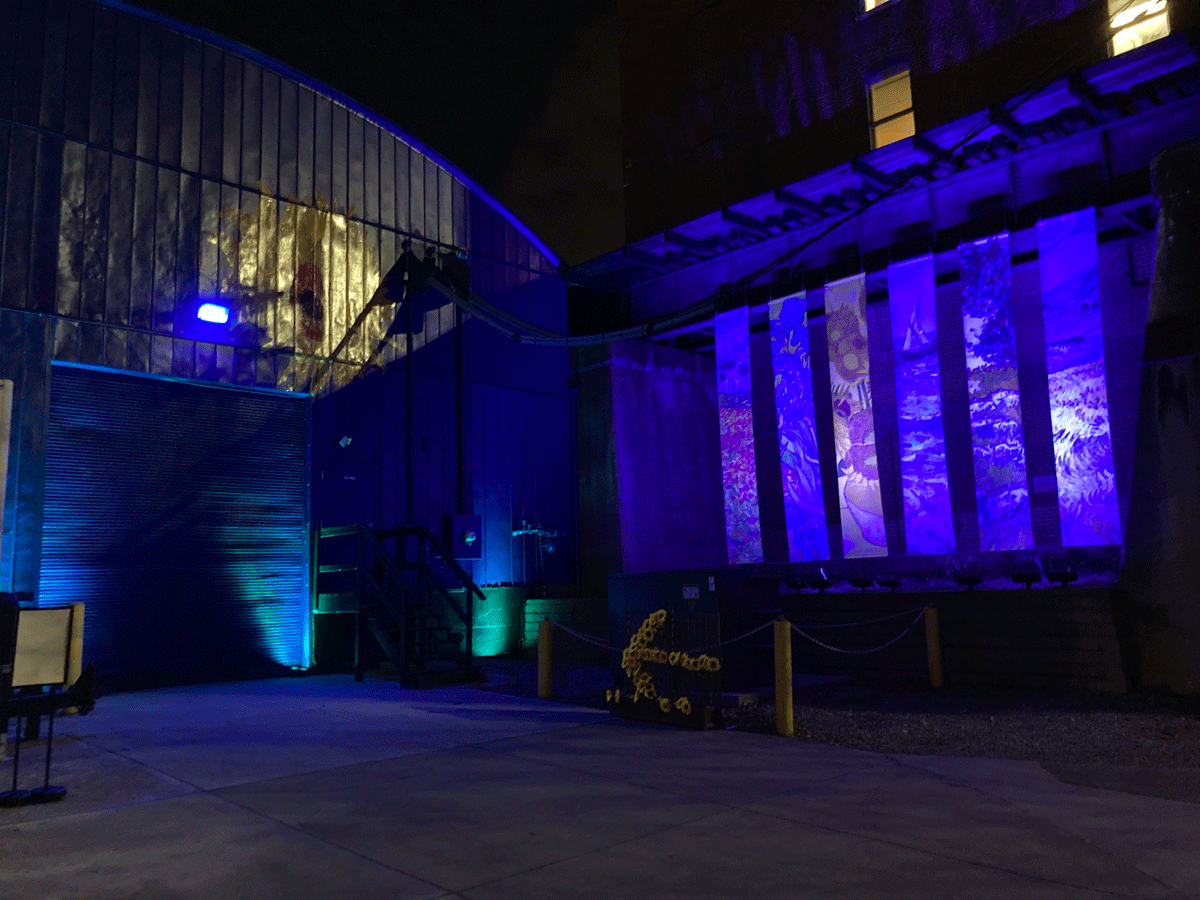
(928, 523)
(743, 533)
(853, 419)
(803, 504)
(997, 438)
(1083, 458)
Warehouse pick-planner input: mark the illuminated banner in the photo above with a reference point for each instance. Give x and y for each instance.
(928, 524)
(743, 534)
(803, 505)
(853, 419)
(998, 442)
(1087, 485)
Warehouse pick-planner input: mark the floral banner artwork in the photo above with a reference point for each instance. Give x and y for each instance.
(928, 523)
(743, 533)
(998, 442)
(853, 419)
(1087, 487)
(803, 504)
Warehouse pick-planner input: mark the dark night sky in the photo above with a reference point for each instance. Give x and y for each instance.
(521, 96)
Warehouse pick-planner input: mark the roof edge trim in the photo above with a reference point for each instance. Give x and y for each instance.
(281, 68)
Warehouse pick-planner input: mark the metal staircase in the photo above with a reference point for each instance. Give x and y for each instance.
(401, 585)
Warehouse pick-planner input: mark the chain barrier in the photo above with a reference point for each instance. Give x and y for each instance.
(733, 640)
(597, 642)
(867, 622)
(920, 614)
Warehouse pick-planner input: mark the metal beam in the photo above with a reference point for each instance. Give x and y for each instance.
(868, 173)
(649, 260)
(746, 222)
(933, 151)
(688, 243)
(1009, 127)
(799, 204)
(1089, 100)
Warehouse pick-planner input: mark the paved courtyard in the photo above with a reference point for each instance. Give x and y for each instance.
(319, 787)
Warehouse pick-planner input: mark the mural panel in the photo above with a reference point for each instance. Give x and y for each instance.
(803, 506)
(743, 533)
(998, 442)
(853, 419)
(300, 277)
(1083, 459)
(928, 523)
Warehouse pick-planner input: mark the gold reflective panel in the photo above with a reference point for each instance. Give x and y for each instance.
(354, 287)
(297, 275)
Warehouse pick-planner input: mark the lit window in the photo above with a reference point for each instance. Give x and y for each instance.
(869, 5)
(891, 110)
(1136, 22)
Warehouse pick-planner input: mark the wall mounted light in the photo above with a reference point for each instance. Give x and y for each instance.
(213, 312)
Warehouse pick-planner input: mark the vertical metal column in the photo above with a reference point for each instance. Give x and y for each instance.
(359, 620)
(6, 399)
(544, 628)
(409, 500)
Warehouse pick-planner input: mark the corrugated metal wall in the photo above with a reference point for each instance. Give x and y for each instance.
(24, 360)
(145, 168)
(178, 513)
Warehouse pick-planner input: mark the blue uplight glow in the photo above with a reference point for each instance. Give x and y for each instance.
(997, 437)
(859, 496)
(742, 529)
(178, 513)
(212, 312)
(1087, 485)
(928, 523)
(803, 502)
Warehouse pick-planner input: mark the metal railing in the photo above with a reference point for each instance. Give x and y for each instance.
(428, 549)
(401, 580)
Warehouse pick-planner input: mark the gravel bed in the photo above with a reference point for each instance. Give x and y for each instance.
(1072, 728)
(1143, 730)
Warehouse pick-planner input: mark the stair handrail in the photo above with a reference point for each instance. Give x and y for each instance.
(397, 615)
(465, 616)
(389, 564)
(337, 530)
(370, 551)
(472, 590)
(425, 532)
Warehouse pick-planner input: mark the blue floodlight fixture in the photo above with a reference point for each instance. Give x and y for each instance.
(213, 312)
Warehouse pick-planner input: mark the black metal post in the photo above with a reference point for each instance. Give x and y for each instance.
(409, 500)
(465, 501)
(17, 755)
(358, 606)
(49, 749)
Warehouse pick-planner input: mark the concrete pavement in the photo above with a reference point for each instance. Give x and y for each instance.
(322, 788)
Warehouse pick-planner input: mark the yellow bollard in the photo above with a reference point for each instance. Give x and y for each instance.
(933, 646)
(783, 678)
(544, 659)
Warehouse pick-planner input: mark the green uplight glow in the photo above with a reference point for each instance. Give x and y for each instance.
(499, 622)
